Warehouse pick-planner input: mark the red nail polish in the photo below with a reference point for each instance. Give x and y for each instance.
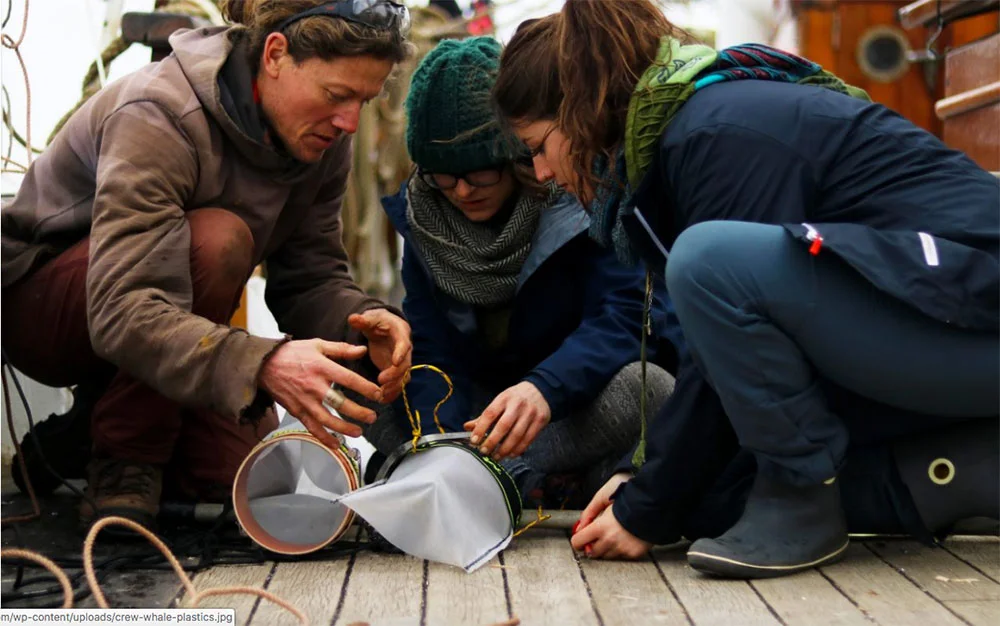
(587, 549)
(816, 245)
(575, 526)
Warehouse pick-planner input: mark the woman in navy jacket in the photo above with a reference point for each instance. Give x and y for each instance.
(505, 292)
(834, 268)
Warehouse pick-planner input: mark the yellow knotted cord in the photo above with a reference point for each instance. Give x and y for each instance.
(538, 520)
(414, 416)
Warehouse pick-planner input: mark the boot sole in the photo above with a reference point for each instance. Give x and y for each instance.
(731, 568)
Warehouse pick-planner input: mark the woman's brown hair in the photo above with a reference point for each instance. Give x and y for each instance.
(579, 67)
(316, 36)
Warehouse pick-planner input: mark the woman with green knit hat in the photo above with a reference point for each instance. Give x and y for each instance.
(537, 326)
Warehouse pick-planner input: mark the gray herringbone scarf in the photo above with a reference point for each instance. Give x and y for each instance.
(470, 261)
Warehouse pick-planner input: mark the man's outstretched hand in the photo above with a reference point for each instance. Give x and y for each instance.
(389, 348)
(298, 376)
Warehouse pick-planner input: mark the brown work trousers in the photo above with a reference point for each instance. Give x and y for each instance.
(45, 336)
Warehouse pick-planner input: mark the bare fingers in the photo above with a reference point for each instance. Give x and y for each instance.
(499, 432)
(513, 439)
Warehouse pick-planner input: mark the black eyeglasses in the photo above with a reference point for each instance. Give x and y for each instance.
(479, 178)
(379, 14)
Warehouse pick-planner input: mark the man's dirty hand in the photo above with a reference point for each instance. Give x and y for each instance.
(389, 348)
(298, 376)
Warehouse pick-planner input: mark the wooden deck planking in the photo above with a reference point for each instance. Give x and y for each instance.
(545, 581)
(455, 598)
(944, 577)
(232, 576)
(383, 589)
(812, 598)
(710, 601)
(883, 593)
(977, 612)
(983, 553)
(313, 587)
(627, 593)
(147, 589)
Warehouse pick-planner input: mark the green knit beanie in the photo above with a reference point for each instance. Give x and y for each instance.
(450, 96)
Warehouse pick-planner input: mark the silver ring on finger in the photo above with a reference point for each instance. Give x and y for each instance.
(334, 398)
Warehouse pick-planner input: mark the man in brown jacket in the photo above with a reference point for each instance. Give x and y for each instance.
(130, 240)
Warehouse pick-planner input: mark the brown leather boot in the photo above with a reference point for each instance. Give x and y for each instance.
(61, 442)
(123, 488)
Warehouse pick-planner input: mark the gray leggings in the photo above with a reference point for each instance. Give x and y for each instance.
(597, 436)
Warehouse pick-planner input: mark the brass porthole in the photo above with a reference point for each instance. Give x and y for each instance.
(941, 471)
(881, 53)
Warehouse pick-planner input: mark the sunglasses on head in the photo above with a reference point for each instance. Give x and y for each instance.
(378, 14)
(478, 178)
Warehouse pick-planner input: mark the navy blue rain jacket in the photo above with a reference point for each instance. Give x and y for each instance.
(918, 220)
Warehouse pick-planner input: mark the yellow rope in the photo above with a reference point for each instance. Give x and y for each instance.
(541, 518)
(414, 416)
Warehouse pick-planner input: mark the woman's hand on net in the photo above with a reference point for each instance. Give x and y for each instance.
(513, 420)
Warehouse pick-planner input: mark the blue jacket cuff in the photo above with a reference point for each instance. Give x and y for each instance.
(551, 392)
(653, 526)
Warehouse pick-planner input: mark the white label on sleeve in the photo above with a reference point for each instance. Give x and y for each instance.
(930, 249)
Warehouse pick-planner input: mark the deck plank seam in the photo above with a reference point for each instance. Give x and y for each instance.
(834, 584)
(970, 564)
(902, 572)
(506, 586)
(770, 608)
(423, 593)
(586, 585)
(343, 589)
(673, 592)
(256, 604)
(175, 602)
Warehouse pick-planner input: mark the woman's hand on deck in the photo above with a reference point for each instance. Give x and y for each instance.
(605, 538)
(601, 500)
(516, 416)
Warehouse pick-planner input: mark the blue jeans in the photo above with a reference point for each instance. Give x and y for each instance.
(767, 323)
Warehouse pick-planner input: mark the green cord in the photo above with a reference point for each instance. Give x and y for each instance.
(640, 451)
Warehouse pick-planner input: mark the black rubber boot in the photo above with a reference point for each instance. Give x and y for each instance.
(62, 442)
(953, 473)
(783, 530)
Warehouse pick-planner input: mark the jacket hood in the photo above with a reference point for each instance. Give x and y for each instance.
(202, 53)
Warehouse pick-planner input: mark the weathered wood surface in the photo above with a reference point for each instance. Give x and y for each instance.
(545, 582)
(632, 593)
(982, 553)
(883, 593)
(540, 580)
(812, 599)
(455, 598)
(712, 602)
(232, 576)
(384, 589)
